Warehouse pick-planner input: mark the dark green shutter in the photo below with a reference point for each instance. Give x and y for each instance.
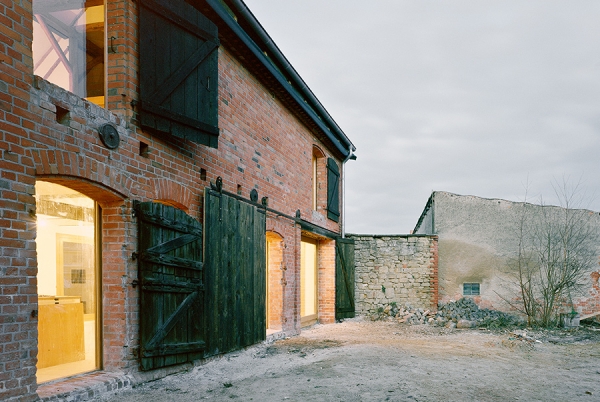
(171, 287)
(178, 71)
(333, 190)
(344, 278)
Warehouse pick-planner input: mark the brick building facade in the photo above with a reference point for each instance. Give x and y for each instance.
(271, 138)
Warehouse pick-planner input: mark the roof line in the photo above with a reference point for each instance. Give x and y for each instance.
(291, 80)
(425, 210)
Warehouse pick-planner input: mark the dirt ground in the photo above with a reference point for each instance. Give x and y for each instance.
(382, 361)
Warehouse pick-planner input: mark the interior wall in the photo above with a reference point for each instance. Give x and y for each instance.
(274, 281)
(308, 278)
(48, 229)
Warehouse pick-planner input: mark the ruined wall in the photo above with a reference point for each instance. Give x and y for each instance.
(395, 268)
(478, 240)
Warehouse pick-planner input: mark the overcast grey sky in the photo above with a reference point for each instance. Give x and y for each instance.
(471, 97)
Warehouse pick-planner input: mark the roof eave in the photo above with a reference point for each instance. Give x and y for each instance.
(292, 83)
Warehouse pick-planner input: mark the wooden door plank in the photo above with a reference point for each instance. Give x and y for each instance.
(173, 244)
(345, 281)
(260, 286)
(181, 72)
(165, 291)
(244, 286)
(166, 327)
(239, 292)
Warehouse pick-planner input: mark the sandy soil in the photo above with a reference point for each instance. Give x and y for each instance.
(382, 361)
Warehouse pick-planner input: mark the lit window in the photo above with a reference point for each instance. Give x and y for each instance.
(470, 289)
(68, 45)
(317, 158)
(68, 285)
(314, 182)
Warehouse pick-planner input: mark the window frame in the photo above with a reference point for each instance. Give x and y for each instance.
(50, 28)
(471, 289)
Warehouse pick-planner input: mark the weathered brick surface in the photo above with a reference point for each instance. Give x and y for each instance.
(18, 266)
(92, 387)
(400, 269)
(326, 281)
(47, 133)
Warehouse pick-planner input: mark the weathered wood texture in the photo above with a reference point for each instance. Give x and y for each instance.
(179, 74)
(344, 279)
(333, 190)
(235, 273)
(170, 278)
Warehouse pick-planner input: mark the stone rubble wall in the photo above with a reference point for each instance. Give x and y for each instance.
(400, 269)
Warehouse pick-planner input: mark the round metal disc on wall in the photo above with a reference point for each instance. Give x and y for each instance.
(109, 136)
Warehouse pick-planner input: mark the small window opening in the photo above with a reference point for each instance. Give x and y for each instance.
(239, 189)
(63, 115)
(202, 174)
(471, 289)
(144, 149)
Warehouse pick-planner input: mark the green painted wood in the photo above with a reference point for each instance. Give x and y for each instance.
(235, 269)
(171, 293)
(260, 278)
(344, 279)
(333, 190)
(179, 74)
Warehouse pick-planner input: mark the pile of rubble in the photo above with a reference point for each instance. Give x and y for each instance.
(463, 313)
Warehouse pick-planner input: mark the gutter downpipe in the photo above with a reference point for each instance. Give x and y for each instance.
(350, 156)
(288, 68)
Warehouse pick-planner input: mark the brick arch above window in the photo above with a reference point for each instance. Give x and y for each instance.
(274, 236)
(95, 179)
(172, 193)
(318, 152)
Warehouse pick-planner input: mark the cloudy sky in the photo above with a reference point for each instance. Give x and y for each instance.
(471, 97)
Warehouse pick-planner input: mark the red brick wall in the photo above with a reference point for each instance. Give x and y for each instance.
(288, 291)
(262, 146)
(326, 268)
(18, 293)
(433, 276)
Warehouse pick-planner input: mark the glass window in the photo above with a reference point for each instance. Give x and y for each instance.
(314, 182)
(317, 177)
(68, 45)
(470, 289)
(67, 282)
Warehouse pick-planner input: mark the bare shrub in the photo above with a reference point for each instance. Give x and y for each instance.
(557, 245)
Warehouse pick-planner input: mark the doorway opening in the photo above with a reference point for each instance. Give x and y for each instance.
(309, 305)
(274, 277)
(69, 280)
